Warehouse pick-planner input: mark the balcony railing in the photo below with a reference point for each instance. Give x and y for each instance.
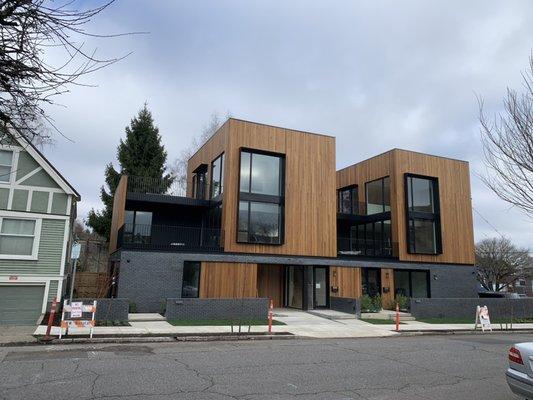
(362, 208)
(174, 238)
(169, 187)
(366, 247)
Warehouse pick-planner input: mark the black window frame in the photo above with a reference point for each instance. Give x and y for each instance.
(220, 177)
(196, 263)
(383, 205)
(249, 197)
(378, 246)
(354, 202)
(410, 272)
(425, 216)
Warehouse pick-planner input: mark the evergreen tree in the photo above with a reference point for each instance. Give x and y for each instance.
(140, 154)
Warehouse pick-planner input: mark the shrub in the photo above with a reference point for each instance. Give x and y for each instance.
(133, 308)
(370, 304)
(403, 302)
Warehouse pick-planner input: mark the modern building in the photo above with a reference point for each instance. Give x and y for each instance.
(37, 211)
(266, 214)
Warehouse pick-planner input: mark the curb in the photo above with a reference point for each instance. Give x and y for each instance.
(155, 339)
(462, 332)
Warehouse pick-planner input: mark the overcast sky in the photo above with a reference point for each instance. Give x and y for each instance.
(376, 75)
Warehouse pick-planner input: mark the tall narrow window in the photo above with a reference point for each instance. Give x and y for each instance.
(199, 182)
(348, 202)
(378, 196)
(423, 215)
(6, 161)
(217, 176)
(261, 198)
(190, 284)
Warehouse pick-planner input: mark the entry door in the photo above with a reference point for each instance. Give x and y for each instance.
(295, 285)
(320, 288)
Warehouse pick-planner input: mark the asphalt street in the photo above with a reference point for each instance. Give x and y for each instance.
(422, 367)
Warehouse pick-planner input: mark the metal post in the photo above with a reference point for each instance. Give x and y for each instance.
(397, 317)
(73, 279)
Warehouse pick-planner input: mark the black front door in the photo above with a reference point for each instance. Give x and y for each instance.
(320, 287)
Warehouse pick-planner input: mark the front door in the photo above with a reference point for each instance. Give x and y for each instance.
(320, 288)
(295, 286)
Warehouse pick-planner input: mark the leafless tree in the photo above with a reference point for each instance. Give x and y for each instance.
(30, 31)
(500, 264)
(179, 168)
(508, 146)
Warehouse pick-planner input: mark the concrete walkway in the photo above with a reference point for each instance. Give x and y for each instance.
(16, 334)
(303, 324)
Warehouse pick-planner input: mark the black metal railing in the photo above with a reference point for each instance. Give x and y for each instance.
(362, 208)
(366, 247)
(169, 187)
(164, 237)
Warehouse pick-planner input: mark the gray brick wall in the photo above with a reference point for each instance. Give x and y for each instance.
(237, 309)
(466, 308)
(107, 309)
(347, 305)
(147, 279)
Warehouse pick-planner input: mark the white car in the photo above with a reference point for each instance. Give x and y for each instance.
(520, 372)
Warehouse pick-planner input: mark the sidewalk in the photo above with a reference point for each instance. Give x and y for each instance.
(331, 324)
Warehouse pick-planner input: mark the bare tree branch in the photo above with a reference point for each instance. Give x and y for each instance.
(508, 146)
(500, 264)
(28, 29)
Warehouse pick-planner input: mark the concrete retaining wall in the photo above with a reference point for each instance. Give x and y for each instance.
(466, 308)
(347, 305)
(243, 309)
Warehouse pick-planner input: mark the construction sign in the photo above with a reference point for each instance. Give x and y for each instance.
(78, 315)
(483, 318)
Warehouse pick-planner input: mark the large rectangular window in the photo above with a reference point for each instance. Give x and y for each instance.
(348, 202)
(378, 196)
(411, 283)
(217, 176)
(261, 198)
(423, 215)
(372, 239)
(138, 226)
(190, 286)
(6, 161)
(17, 237)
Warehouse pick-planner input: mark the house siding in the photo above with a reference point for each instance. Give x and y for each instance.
(49, 255)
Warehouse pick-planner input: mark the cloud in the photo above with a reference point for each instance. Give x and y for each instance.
(375, 75)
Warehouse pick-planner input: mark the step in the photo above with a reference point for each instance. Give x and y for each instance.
(145, 317)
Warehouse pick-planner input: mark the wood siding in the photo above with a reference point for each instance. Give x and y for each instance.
(454, 194)
(387, 281)
(347, 280)
(455, 206)
(310, 207)
(228, 280)
(270, 283)
(119, 212)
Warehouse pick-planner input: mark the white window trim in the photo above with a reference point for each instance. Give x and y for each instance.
(11, 167)
(36, 239)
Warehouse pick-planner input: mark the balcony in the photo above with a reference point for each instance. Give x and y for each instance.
(141, 188)
(169, 238)
(366, 247)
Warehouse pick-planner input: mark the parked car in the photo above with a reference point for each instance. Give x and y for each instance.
(520, 372)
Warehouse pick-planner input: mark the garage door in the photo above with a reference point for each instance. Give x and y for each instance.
(20, 305)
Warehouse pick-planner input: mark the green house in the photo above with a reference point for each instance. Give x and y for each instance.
(37, 212)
